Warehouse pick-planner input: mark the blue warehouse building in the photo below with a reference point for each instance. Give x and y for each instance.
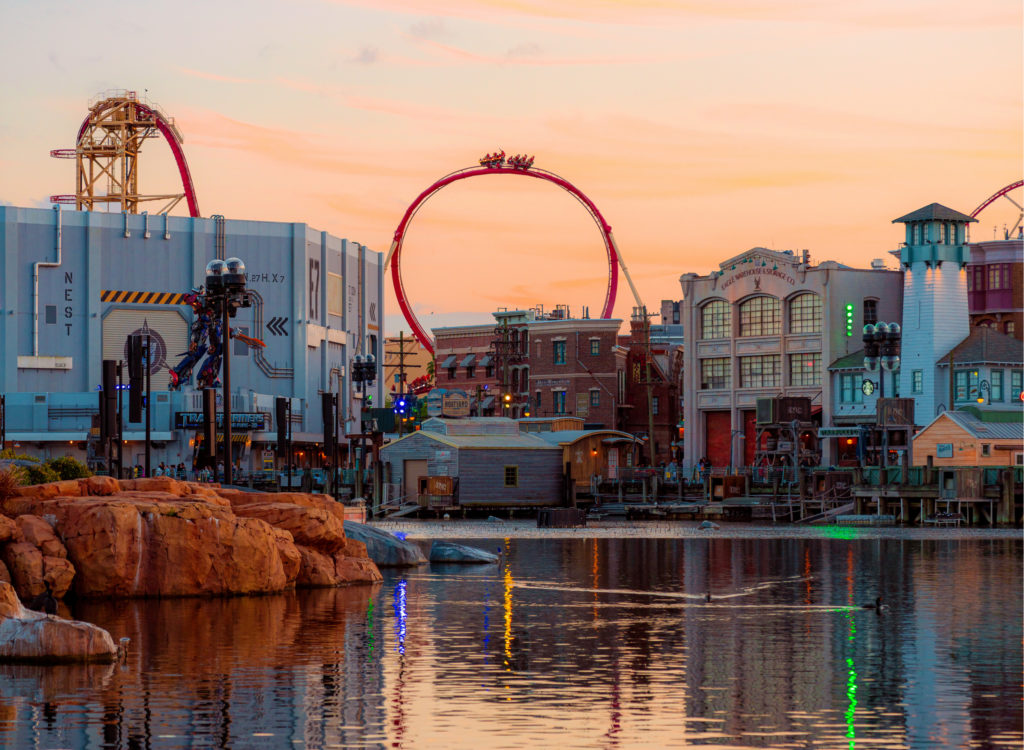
(77, 284)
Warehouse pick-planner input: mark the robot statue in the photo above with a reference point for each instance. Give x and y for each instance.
(205, 340)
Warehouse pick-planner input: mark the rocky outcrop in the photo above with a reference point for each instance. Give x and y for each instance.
(450, 552)
(162, 537)
(385, 549)
(32, 636)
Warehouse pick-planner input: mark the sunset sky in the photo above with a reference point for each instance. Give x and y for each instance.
(699, 128)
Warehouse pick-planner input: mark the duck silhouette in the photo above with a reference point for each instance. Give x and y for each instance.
(877, 605)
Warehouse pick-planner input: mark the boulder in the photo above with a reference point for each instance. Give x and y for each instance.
(5, 575)
(99, 486)
(356, 569)
(383, 548)
(59, 573)
(32, 636)
(317, 569)
(25, 564)
(9, 531)
(309, 527)
(450, 552)
(36, 531)
(291, 559)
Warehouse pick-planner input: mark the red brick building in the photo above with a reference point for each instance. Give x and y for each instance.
(548, 363)
(663, 408)
(995, 286)
(574, 368)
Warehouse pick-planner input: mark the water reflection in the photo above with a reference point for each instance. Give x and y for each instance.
(598, 643)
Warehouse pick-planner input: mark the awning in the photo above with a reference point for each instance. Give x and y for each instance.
(487, 403)
(449, 361)
(486, 361)
(468, 361)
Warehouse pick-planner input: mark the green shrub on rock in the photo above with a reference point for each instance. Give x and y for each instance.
(67, 467)
(40, 474)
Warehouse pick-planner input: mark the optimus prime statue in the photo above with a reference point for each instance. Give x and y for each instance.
(205, 339)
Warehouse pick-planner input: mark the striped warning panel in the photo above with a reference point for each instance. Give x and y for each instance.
(143, 298)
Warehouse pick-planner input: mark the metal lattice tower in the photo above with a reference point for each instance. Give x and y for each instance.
(107, 155)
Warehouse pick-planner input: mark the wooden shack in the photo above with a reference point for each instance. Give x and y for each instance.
(961, 438)
(593, 453)
(490, 462)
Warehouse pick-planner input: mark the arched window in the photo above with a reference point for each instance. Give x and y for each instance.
(805, 313)
(716, 320)
(759, 316)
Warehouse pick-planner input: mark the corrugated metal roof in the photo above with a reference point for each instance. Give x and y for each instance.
(987, 430)
(933, 212)
(567, 437)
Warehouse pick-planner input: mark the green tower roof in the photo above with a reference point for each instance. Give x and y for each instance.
(934, 212)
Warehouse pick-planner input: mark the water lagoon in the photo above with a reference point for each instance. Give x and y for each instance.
(577, 639)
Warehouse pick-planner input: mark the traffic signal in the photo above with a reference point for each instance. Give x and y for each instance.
(849, 318)
(108, 400)
(508, 400)
(281, 417)
(135, 378)
(369, 400)
(209, 453)
(327, 407)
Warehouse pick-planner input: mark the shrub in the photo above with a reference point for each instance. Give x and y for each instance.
(9, 453)
(10, 480)
(67, 467)
(40, 474)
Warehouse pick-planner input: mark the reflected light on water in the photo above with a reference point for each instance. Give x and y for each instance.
(608, 643)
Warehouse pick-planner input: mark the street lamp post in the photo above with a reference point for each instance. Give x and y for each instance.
(882, 355)
(225, 286)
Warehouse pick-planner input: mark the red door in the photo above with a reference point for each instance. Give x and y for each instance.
(717, 431)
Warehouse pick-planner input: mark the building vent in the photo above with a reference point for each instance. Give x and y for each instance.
(878, 264)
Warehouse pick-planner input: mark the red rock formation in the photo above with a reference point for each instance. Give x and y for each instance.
(162, 537)
(32, 636)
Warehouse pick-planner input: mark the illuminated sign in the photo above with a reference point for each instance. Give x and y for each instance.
(193, 420)
(849, 318)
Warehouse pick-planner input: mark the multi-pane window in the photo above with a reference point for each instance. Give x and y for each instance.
(451, 373)
(558, 352)
(595, 347)
(850, 388)
(759, 316)
(917, 381)
(654, 405)
(759, 371)
(1009, 328)
(870, 311)
(1016, 378)
(595, 397)
(995, 386)
(999, 276)
(540, 400)
(805, 369)
(805, 314)
(976, 279)
(511, 476)
(715, 373)
(470, 372)
(965, 384)
(716, 320)
(558, 401)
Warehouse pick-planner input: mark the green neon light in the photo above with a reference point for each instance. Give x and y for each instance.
(849, 318)
(851, 688)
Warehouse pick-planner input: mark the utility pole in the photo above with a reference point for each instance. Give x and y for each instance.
(401, 377)
(650, 383)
